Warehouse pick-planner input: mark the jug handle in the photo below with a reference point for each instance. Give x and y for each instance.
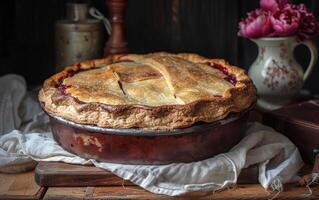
(314, 57)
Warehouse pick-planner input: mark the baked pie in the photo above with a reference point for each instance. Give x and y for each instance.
(151, 91)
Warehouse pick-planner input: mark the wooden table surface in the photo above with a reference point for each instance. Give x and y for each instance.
(23, 186)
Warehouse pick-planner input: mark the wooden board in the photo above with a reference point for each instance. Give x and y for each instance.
(20, 186)
(23, 186)
(241, 192)
(62, 174)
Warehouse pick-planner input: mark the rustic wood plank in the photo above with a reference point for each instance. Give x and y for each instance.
(242, 192)
(65, 193)
(247, 50)
(62, 174)
(206, 27)
(19, 186)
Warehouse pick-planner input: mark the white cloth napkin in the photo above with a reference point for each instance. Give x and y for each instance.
(278, 159)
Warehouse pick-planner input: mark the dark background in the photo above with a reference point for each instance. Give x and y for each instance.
(206, 27)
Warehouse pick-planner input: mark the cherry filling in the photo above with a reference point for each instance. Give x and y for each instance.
(229, 77)
(62, 87)
(69, 73)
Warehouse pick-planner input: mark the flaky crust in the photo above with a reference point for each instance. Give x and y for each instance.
(208, 109)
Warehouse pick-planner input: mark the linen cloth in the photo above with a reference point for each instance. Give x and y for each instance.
(26, 138)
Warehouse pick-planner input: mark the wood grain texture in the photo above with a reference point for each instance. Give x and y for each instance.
(19, 186)
(22, 186)
(116, 43)
(66, 193)
(181, 26)
(316, 165)
(295, 119)
(62, 174)
(241, 192)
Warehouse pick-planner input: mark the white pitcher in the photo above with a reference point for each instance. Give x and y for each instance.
(275, 72)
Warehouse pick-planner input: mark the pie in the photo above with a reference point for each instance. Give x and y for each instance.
(151, 91)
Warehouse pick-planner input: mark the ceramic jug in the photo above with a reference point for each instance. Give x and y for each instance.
(77, 37)
(275, 72)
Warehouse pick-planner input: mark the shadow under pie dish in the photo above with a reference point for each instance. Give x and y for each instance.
(148, 96)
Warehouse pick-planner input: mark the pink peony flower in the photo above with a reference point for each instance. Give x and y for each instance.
(279, 18)
(285, 22)
(273, 5)
(308, 24)
(257, 24)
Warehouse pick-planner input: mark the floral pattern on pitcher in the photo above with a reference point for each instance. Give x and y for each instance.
(276, 74)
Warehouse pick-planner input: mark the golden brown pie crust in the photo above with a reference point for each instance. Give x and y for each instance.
(152, 91)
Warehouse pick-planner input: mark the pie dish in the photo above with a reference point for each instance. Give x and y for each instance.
(151, 91)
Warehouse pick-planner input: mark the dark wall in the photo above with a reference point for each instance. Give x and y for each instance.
(207, 27)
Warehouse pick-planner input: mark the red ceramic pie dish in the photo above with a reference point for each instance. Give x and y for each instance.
(140, 146)
(148, 109)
